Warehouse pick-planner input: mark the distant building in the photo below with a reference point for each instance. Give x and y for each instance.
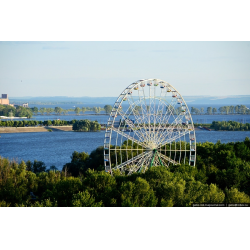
(25, 105)
(4, 100)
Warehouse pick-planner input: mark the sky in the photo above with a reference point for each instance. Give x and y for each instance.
(99, 69)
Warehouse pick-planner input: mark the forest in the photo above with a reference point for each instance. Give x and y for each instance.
(221, 175)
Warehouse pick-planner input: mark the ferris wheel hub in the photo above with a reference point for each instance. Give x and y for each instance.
(152, 145)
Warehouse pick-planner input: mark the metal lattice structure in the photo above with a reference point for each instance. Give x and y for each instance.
(149, 125)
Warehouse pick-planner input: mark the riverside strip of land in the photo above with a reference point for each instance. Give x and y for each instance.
(41, 129)
(34, 129)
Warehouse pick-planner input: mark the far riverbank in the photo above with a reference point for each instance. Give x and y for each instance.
(34, 129)
(4, 130)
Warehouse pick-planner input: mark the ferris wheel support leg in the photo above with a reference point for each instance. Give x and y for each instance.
(160, 159)
(152, 161)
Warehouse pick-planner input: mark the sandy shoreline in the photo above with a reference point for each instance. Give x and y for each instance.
(34, 129)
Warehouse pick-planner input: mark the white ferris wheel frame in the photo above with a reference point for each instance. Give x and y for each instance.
(151, 140)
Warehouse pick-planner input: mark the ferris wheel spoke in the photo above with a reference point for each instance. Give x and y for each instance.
(170, 130)
(168, 113)
(152, 110)
(174, 125)
(145, 111)
(129, 137)
(139, 121)
(163, 121)
(173, 138)
(136, 129)
(133, 159)
(144, 161)
(167, 159)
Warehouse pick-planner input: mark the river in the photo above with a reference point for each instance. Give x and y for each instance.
(55, 148)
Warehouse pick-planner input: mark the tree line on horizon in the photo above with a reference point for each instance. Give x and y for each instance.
(226, 110)
(78, 125)
(9, 111)
(77, 110)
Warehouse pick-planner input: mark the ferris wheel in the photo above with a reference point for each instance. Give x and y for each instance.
(150, 125)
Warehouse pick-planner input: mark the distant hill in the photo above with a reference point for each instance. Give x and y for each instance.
(190, 100)
(64, 100)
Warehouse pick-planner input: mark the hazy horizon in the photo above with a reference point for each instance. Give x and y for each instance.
(115, 96)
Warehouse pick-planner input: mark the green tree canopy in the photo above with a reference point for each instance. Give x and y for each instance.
(77, 110)
(108, 109)
(84, 110)
(209, 110)
(58, 110)
(42, 111)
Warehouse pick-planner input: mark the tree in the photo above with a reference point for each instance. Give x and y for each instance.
(58, 110)
(222, 109)
(209, 110)
(108, 109)
(233, 195)
(137, 194)
(49, 110)
(95, 126)
(83, 110)
(86, 125)
(97, 110)
(35, 110)
(78, 164)
(84, 199)
(237, 109)
(42, 111)
(77, 110)
(197, 111)
(231, 109)
(137, 109)
(214, 110)
(242, 109)
(10, 114)
(29, 113)
(202, 110)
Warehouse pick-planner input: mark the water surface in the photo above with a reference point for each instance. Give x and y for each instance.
(55, 148)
